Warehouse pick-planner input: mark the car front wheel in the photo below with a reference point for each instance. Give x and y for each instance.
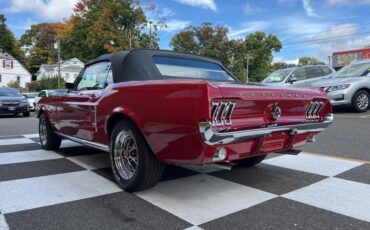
(26, 114)
(134, 165)
(48, 139)
(361, 101)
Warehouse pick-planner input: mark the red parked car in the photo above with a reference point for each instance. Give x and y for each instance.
(148, 108)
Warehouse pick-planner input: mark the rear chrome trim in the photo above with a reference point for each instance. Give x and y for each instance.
(85, 142)
(212, 137)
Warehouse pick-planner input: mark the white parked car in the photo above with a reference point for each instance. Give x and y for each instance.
(48, 93)
(31, 99)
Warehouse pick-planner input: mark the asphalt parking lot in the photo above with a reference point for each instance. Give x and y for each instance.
(325, 187)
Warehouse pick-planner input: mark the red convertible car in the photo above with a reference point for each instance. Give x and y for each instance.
(148, 108)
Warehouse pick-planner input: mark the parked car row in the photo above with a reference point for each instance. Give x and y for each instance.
(14, 102)
(350, 86)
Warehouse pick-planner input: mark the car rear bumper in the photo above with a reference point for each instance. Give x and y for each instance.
(211, 137)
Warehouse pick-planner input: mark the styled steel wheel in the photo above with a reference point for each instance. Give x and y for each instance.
(134, 165)
(42, 131)
(361, 101)
(48, 139)
(125, 154)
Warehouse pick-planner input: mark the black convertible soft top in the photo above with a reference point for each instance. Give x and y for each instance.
(138, 64)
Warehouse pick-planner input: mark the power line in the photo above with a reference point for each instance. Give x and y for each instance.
(320, 32)
(329, 38)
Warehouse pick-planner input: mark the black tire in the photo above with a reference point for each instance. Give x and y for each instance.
(251, 161)
(26, 114)
(358, 107)
(48, 139)
(148, 169)
(16, 114)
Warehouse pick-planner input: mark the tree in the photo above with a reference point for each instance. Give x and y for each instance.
(279, 65)
(7, 41)
(261, 47)
(103, 26)
(41, 37)
(204, 40)
(213, 42)
(308, 61)
(14, 84)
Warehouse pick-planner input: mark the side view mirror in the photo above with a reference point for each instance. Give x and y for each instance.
(70, 85)
(292, 80)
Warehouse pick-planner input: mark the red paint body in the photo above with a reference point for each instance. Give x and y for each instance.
(168, 113)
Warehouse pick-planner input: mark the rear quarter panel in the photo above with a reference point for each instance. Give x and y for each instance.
(166, 112)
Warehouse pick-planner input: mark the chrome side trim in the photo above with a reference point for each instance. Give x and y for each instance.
(212, 137)
(85, 142)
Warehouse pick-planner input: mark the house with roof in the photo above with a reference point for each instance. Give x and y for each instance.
(69, 70)
(11, 70)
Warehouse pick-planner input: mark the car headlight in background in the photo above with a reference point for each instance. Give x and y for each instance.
(337, 87)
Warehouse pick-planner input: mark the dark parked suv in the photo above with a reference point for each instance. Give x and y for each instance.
(12, 102)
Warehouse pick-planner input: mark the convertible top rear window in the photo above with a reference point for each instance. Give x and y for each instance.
(186, 68)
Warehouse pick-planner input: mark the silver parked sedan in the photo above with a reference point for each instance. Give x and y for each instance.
(301, 76)
(350, 86)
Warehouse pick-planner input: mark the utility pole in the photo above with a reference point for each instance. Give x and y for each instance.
(150, 34)
(248, 57)
(58, 44)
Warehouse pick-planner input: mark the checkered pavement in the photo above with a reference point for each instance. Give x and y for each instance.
(73, 188)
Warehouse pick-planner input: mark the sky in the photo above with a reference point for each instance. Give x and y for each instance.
(306, 27)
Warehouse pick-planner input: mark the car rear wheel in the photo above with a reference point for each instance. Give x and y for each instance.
(48, 139)
(134, 165)
(251, 161)
(26, 114)
(361, 101)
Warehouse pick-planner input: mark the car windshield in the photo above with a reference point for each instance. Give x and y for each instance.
(30, 95)
(9, 93)
(277, 76)
(187, 68)
(57, 92)
(354, 70)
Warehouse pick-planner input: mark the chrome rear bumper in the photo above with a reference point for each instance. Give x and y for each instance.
(211, 137)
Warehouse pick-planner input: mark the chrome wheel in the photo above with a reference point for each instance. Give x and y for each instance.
(43, 132)
(362, 101)
(125, 153)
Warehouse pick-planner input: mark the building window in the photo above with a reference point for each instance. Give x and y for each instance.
(18, 79)
(0, 77)
(7, 64)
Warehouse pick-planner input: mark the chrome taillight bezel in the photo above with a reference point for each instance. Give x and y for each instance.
(313, 109)
(221, 112)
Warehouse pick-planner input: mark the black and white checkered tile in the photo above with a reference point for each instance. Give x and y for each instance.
(73, 188)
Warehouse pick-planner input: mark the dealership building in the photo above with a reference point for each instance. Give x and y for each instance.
(343, 58)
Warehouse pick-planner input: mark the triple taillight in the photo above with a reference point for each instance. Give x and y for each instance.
(313, 109)
(221, 112)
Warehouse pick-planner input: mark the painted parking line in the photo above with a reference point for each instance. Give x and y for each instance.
(33, 135)
(3, 224)
(319, 165)
(16, 141)
(352, 116)
(337, 195)
(27, 156)
(54, 189)
(212, 197)
(337, 157)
